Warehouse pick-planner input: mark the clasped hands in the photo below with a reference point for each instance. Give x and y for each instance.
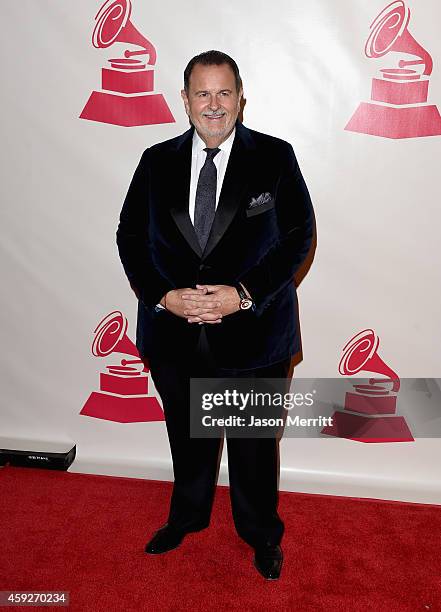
(205, 304)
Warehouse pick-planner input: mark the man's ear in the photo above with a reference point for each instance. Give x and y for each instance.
(240, 98)
(185, 100)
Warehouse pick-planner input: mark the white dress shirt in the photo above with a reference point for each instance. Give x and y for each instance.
(198, 157)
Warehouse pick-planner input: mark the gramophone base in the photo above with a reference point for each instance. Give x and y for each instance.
(127, 111)
(395, 122)
(370, 404)
(122, 409)
(368, 429)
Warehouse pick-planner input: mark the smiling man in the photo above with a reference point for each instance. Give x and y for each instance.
(214, 226)
(213, 111)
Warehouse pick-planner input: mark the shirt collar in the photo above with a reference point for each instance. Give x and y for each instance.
(199, 144)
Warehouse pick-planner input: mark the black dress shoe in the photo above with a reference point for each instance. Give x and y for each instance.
(268, 560)
(165, 539)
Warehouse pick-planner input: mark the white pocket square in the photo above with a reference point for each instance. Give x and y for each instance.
(262, 199)
(260, 204)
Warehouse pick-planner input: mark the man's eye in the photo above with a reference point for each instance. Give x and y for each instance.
(225, 93)
(202, 94)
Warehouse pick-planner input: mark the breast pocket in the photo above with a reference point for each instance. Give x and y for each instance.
(258, 210)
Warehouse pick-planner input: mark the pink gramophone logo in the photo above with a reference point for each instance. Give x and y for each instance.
(398, 106)
(127, 96)
(123, 394)
(369, 413)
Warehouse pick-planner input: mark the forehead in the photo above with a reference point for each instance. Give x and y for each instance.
(212, 77)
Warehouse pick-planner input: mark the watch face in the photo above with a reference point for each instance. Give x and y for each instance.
(245, 304)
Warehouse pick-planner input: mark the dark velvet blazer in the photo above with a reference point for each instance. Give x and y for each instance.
(260, 241)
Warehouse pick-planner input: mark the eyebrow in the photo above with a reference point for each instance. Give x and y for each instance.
(206, 90)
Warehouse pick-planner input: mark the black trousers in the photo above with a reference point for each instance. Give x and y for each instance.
(253, 463)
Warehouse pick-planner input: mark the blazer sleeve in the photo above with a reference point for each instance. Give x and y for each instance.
(295, 214)
(133, 243)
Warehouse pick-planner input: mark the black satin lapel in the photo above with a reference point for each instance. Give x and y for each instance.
(180, 193)
(235, 182)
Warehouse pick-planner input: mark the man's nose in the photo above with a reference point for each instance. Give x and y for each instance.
(214, 102)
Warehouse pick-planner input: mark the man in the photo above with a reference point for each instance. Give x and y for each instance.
(214, 225)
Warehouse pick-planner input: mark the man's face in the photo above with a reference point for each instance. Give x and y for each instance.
(212, 101)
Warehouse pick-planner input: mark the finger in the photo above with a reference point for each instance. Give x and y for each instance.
(207, 305)
(207, 316)
(210, 288)
(199, 312)
(202, 313)
(193, 292)
(200, 321)
(209, 319)
(196, 312)
(196, 296)
(200, 298)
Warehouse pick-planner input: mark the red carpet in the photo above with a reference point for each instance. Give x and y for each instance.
(86, 534)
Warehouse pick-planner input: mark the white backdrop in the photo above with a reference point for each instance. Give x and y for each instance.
(377, 203)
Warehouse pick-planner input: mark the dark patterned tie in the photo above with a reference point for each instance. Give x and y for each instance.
(205, 201)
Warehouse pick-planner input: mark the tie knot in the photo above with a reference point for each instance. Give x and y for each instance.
(211, 153)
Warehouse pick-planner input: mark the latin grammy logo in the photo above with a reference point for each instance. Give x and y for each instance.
(127, 96)
(369, 413)
(123, 394)
(398, 106)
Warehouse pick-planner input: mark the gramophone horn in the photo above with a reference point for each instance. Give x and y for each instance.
(111, 337)
(113, 25)
(360, 353)
(389, 33)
